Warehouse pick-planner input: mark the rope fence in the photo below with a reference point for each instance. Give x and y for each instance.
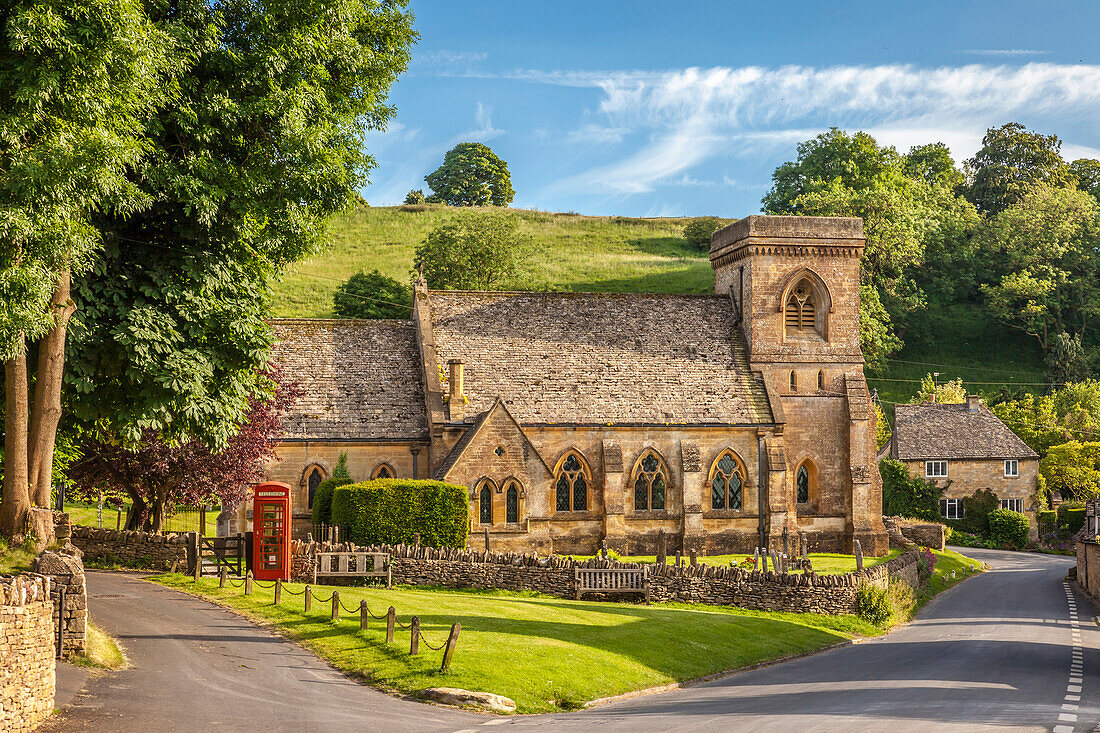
(363, 611)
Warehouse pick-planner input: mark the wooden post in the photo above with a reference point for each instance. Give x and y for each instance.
(414, 645)
(118, 518)
(222, 576)
(308, 598)
(194, 562)
(364, 614)
(335, 605)
(278, 590)
(196, 548)
(248, 583)
(391, 618)
(202, 520)
(449, 652)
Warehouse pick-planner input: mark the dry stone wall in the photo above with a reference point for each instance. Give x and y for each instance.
(142, 549)
(66, 574)
(26, 652)
(554, 575)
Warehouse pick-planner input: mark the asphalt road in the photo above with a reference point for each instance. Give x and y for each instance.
(995, 652)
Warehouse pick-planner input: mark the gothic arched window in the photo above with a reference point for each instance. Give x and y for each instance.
(571, 486)
(804, 310)
(316, 476)
(727, 480)
(485, 502)
(511, 504)
(804, 482)
(650, 481)
(383, 470)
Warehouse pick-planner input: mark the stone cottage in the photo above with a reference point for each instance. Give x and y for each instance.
(724, 421)
(965, 447)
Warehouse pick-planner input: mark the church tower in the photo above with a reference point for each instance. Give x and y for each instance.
(794, 282)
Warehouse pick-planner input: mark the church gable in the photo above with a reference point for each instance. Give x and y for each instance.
(494, 447)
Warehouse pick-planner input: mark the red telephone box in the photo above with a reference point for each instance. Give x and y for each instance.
(271, 532)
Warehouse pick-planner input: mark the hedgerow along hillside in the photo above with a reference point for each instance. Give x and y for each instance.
(579, 253)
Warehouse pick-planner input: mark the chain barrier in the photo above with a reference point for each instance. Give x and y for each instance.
(433, 648)
(302, 592)
(320, 599)
(379, 618)
(235, 585)
(401, 625)
(258, 584)
(349, 610)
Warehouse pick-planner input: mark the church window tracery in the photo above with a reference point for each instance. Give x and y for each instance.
(571, 486)
(650, 481)
(485, 502)
(511, 503)
(727, 481)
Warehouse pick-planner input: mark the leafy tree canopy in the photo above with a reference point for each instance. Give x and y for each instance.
(1073, 469)
(905, 495)
(415, 196)
(951, 392)
(698, 231)
(1087, 174)
(1011, 160)
(372, 295)
(933, 164)
(477, 251)
(1046, 243)
(471, 175)
(262, 146)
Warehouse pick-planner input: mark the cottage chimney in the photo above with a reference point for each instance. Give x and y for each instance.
(972, 402)
(456, 403)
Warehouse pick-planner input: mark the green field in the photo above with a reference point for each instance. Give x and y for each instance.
(84, 513)
(545, 653)
(618, 254)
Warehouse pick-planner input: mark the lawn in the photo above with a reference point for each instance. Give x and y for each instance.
(824, 563)
(545, 653)
(84, 513)
(567, 252)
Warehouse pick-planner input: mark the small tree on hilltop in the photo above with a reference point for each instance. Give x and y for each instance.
(372, 295)
(474, 252)
(948, 393)
(414, 197)
(157, 473)
(472, 175)
(698, 231)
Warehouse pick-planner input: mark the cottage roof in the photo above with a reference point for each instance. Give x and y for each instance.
(944, 431)
(360, 379)
(598, 358)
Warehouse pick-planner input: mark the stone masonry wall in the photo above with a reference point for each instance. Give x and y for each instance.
(26, 652)
(131, 548)
(554, 575)
(66, 574)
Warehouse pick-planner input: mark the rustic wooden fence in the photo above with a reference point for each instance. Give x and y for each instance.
(416, 636)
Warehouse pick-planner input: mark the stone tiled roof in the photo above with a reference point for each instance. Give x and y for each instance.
(597, 358)
(932, 430)
(360, 379)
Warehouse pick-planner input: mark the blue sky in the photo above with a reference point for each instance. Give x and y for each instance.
(685, 108)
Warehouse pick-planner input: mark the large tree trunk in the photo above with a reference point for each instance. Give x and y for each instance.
(46, 412)
(17, 500)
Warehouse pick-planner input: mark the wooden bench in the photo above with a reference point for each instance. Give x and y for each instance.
(353, 565)
(612, 580)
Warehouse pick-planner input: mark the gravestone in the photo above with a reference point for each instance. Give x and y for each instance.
(756, 558)
(661, 548)
(764, 559)
(859, 556)
(486, 539)
(786, 542)
(678, 559)
(694, 560)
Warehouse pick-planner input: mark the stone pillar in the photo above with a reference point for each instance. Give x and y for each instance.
(694, 492)
(66, 572)
(865, 493)
(614, 504)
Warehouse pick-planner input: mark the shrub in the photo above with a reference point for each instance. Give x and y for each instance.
(1071, 517)
(959, 538)
(414, 197)
(873, 604)
(698, 231)
(927, 564)
(322, 499)
(1046, 517)
(1008, 528)
(476, 251)
(394, 511)
(976, 510)
(905, 495)
(372, 295)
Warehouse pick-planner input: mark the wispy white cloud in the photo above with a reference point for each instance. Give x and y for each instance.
(597, 134)
(446, 59)
(1004, 52)
(692, 115)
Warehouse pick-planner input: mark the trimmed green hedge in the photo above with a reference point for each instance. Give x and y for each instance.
(1008, 528)
(322, 499)
(394, 511)
(1071, 517)
(1045, 516)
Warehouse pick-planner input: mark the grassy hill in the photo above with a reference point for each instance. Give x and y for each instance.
(618, 254)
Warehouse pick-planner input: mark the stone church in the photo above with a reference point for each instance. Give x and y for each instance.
(726, 421)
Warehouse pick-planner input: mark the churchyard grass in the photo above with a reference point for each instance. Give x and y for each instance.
(15, 559)
(84, 513)
(824, 563)
(545, 653)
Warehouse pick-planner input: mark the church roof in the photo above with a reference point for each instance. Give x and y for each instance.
(598, 358)
(360, 379)
(928, 431)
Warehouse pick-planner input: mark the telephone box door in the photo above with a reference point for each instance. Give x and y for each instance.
(271, 532)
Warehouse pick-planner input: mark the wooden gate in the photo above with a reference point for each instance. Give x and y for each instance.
(218, 552)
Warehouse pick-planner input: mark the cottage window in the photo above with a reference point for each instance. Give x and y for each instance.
(485, 503)
(650, 481)
(1012, 468)
(1015, 505)
(727, 479)
(571, 487)
(951, 508)
(511, 504)
(316, 476)
(802, 485)
(935, 469)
